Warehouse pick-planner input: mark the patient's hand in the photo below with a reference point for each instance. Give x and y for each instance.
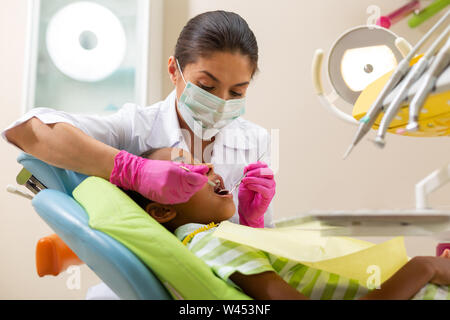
(445, 254)
(441, 267)
(266, 286)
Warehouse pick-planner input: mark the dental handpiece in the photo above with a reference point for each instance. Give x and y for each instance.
(439, 64)
(415, 72)
(377, 106)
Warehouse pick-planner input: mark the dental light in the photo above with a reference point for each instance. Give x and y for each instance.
(357, 58)
(400, 79)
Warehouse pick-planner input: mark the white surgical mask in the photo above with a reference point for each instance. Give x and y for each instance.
(205, 113)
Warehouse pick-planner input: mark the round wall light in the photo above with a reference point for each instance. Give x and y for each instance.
(86, 41)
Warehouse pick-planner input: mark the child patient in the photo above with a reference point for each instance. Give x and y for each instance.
(262, 275)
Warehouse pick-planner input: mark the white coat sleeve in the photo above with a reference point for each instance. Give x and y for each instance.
(115, 130)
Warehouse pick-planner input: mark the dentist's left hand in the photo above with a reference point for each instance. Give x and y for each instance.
(158, 180)
(256, 192)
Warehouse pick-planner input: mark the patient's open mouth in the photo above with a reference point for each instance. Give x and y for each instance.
(221, 192)
(220, 188)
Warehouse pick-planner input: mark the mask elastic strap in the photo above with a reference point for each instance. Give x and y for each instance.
(179, 69)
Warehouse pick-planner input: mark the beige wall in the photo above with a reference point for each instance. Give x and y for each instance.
(312, 174)
(20, 226)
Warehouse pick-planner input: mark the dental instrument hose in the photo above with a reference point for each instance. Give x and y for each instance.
(415, 72)
(439, 64)
(377, 107)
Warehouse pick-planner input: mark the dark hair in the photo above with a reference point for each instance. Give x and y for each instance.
(216, 31)
(138, 198)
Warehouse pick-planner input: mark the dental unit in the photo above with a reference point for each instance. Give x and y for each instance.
(437, 67)
(413, 75)
(402, 69)
(407, 80)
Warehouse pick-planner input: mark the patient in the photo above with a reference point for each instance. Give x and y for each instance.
(264, 276)
(206, 206)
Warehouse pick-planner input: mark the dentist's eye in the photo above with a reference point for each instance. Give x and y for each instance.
(235, 94)
(206, 87)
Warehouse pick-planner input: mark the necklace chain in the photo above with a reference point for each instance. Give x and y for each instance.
(192, 234)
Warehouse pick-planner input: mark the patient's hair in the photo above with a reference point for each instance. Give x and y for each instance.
(138, 198)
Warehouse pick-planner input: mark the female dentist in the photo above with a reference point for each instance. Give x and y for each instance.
(215, 58)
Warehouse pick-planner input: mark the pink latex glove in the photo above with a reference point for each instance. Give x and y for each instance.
(255, 194)
(161, 181)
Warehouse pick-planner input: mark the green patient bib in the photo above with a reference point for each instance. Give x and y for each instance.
(111, 211)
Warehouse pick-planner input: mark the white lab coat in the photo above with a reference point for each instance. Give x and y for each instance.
(138, 129)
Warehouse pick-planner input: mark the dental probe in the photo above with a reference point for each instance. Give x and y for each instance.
(377, 107)
(439, 64)
(244, 175)
(238, 183)
(415, 72)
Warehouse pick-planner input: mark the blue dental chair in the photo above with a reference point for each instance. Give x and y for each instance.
(117, 266)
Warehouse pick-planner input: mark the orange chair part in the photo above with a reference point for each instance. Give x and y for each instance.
(53, 256)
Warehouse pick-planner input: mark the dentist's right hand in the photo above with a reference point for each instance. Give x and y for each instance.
(158, 180)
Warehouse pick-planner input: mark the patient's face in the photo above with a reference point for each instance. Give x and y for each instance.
(206, 205)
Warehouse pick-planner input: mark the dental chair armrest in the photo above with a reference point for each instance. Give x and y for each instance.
(53, 256)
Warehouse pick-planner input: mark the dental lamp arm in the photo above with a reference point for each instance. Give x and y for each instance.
(429, 184)
(403, 46)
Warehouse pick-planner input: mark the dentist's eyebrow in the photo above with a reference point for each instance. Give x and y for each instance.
(217, 80)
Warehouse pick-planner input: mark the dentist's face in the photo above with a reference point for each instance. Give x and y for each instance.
(226, 75)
